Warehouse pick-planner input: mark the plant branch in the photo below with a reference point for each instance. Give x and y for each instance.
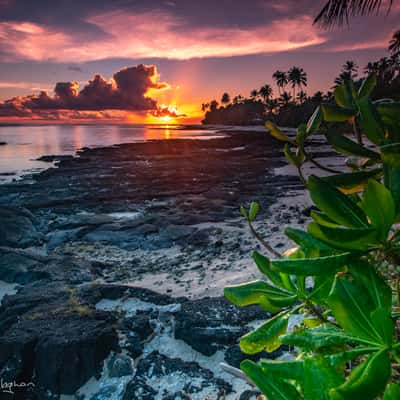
(262, 241)
(320, 166)
(314, 310)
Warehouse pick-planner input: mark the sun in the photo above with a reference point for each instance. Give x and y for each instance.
(166, 118)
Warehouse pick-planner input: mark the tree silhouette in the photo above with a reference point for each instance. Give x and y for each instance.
(225, 99)
(351, 67)
(205, 107)
(336, 12)
(285, 99)
(265, 92)
(213, 105)
(394, 44)
(254, 94)
(302, 97)
(281, 80)
(298, 78)
(238, 99)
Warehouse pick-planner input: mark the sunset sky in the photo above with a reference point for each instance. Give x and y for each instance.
(193, 51)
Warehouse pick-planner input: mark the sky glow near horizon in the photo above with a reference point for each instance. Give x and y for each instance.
(194, 51)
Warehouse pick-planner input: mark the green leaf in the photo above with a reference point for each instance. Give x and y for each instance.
(319, 378)
(392, 392)
(276, 132)
(352, 306)
(392, 181)
(367, 380)
(291, 157)
(244, 212)
(273, 388)
(379, 206)
(301, 135)
(335, 204)
(383, 324)
(254, 209)
(266, 336)
(389, 112)
(336, 114)
(391, 154)
(346, 146)
(370, 120)
(342, 358)
(304, 239)
(322, 287)
(318, 338)
(345, 95)
(379, 290)
(269, 297)
(367, 86)
(347, 181)
(292, 370)
(358, 239)
(312, 266)
(315, 121)
(264, 265)
(323, 219)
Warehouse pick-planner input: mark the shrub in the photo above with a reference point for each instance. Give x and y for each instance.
(343, 273)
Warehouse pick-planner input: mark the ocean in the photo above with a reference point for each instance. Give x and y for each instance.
(25, 144)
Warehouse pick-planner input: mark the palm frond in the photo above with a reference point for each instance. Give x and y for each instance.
(337, 12)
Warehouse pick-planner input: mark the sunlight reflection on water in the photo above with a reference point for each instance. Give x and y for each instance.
(26, 143)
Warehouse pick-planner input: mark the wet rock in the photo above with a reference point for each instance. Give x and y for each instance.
(51, 158)
(55, 239)
(17, 227)
(160, 375)
(249, 395)
(94, 293)
(49, 337)
(18, 268)
(133, 345)
(105, 393)
(140, 324)
(234, 356)
(211, 323)
(119, 365)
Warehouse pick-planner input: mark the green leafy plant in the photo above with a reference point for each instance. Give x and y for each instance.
(340, 275)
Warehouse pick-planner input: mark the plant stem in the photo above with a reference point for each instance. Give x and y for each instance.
(357, 131)
(320, 166)
(301, 176)
(262, 241)
(319, 315)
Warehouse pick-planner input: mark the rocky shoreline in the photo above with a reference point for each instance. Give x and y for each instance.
(112, 266)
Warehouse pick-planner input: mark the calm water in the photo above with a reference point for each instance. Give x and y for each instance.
(26, 143)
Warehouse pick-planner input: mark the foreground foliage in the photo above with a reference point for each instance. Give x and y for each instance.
(343, 274)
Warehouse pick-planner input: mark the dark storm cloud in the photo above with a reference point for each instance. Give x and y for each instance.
(127, 91)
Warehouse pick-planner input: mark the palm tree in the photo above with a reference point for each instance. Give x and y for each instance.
(302, 97)
(317, 97)
(205, 107)
(297, 77)
(338, 11)
(350, 67)
(285, 99)
(344, 76)
(272, 104)
(265, 92)
(225, 99)
(237, 99)
(394, 44)
(254, 94)
(281, 80)
(213, 105)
